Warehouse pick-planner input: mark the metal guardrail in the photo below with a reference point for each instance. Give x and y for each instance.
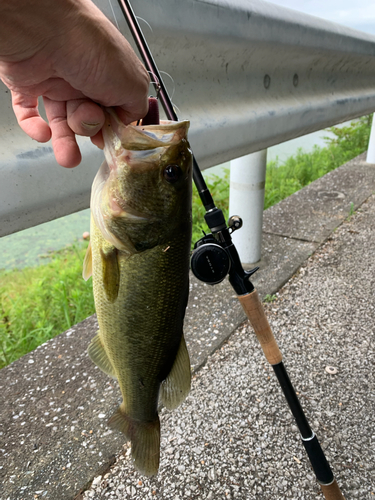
(248, 74)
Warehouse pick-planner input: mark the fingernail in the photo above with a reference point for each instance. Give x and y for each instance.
(90, 126)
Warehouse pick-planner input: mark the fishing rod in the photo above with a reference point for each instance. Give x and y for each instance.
(215, 256)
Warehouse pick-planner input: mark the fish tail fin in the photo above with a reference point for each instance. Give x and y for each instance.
(144, 437)
(176, 386)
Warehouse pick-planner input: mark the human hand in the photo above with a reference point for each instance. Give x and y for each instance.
(77, 61)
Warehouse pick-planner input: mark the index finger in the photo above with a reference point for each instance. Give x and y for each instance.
(25, 108)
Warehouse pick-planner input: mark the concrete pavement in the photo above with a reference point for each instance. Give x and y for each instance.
(234, 437)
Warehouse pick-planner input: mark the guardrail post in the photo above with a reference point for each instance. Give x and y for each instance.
(246, 199)
(371, 144)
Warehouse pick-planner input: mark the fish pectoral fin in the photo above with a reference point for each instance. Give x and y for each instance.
(176, 386)
(144, 437)
(87, 263)
(111, 272)
(99, 356)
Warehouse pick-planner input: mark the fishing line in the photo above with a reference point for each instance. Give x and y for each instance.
(155, 83)
(114, 15)
(176, 108)
(174, 85)
(144, 20)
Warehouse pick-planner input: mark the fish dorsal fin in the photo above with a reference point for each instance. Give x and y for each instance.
(111, 272)
(98, 356)
(87, 263)
(176, 386)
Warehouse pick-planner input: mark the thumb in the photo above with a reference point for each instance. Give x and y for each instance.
(84, 117)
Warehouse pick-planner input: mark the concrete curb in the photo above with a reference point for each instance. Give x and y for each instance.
(54, 402)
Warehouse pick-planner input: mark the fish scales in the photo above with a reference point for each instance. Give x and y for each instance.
(156, 307)
(139, 261)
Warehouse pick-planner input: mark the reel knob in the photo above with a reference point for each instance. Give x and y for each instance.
(234, 223)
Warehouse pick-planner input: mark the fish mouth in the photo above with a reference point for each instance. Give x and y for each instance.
(139, 146)
(142, 138)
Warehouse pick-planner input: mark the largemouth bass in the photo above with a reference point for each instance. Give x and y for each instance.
(139, 261)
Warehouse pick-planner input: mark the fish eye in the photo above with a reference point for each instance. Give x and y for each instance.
(172, 173)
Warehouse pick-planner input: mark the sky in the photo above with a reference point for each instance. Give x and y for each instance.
(358, 14)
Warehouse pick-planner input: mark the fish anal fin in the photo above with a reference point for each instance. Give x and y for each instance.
(99, 356)
(87, 263)
(176, 386)
(144, 437)
(111, 272)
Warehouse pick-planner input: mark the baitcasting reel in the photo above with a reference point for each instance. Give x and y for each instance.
(210, 261)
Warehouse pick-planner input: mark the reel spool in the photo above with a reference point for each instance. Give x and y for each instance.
(209, 261)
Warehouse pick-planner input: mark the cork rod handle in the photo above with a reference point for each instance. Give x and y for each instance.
(332, 491)
(253, 308)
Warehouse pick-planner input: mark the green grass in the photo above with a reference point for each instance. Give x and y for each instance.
(303, 168)
(41, 302)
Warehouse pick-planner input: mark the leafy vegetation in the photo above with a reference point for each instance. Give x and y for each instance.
(38, 303)
(270, 298)
(41, 302)
(303, 168)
